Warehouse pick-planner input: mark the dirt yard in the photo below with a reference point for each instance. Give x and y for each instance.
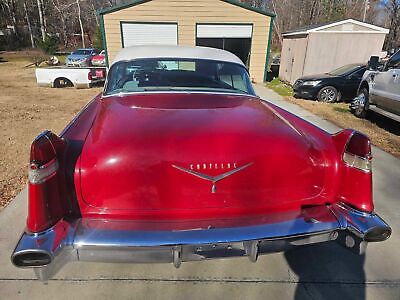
(25, 111)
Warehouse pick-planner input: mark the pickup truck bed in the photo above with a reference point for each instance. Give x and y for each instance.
(59, 77)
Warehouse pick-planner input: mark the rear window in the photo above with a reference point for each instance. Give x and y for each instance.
(82, 52)
(177, 74)
(345, 70)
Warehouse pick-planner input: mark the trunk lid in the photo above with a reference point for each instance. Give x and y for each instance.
(158, 152)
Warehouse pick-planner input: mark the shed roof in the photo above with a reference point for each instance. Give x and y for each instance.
(369, 28)
(137, 2)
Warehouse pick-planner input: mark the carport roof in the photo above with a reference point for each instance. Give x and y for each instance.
(318, 27)
(137, 2)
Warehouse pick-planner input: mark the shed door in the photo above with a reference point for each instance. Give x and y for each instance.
(233, 38)
(134, 34)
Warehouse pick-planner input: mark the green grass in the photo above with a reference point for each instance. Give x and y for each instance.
(280, 87)
(341, 109)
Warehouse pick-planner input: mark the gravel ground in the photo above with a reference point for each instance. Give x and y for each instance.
(25, 111)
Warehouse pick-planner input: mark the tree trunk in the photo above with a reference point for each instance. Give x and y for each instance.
(366, 3)
(11, 10)
(41, 20)
(62, 19)
(80, 23)
(276, 25)
(44, 15)
(29, 26)
(95, 15)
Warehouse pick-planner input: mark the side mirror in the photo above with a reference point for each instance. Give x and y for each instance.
(373, 63)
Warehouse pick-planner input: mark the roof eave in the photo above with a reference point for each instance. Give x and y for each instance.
(377, 29)
(295, 33)
(112, 9)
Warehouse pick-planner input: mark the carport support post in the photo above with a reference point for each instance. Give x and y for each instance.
(103, 38)
(268, 48)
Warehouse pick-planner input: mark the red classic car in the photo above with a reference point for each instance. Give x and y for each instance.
(179, 160)
(99, 60)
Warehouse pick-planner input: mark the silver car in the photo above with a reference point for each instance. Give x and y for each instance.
(379, 90)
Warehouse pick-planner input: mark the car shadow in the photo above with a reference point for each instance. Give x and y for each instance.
(383, 122)
(327, 271)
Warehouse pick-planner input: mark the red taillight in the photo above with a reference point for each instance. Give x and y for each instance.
(357, 153)
(100, 73)
(45, 182)
(43, 159)
(90, 76)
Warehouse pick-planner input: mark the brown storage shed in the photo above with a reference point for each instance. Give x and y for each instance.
(225, 24)
(322, 48)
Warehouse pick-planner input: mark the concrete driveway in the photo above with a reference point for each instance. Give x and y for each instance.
(324, 271)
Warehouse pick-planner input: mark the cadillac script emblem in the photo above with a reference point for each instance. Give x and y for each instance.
(195, 168)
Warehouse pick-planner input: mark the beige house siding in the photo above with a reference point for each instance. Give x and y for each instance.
(187, 14)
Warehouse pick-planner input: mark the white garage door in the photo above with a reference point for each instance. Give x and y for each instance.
(134, 34)
(224, 31)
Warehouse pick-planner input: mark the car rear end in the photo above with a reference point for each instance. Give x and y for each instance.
(65, 223)
(99, 60)
(83, 78)
(97, 76)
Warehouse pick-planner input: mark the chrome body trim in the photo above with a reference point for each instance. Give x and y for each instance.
(212, 179)
(114, 241)
(121, 94)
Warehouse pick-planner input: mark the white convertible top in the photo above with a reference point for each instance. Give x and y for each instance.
(137, 52)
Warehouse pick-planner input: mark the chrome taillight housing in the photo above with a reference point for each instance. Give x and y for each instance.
(357, 153)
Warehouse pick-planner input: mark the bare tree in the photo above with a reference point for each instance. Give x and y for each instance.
(60, 11)
(28, 22)
(70, 19)
(41, 19)
(393, 8)
(11, 9)
(80, 23)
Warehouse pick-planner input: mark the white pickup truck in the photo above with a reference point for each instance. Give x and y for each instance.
(59, 77)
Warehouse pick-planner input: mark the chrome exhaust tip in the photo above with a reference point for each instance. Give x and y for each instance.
(364, 227)
(378, 234)
(31, 258)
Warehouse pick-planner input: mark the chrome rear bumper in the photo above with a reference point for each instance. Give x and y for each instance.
(116, 241)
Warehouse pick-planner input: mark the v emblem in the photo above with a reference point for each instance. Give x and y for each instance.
(213, 179)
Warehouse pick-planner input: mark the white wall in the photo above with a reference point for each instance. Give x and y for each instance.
(328, 51)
